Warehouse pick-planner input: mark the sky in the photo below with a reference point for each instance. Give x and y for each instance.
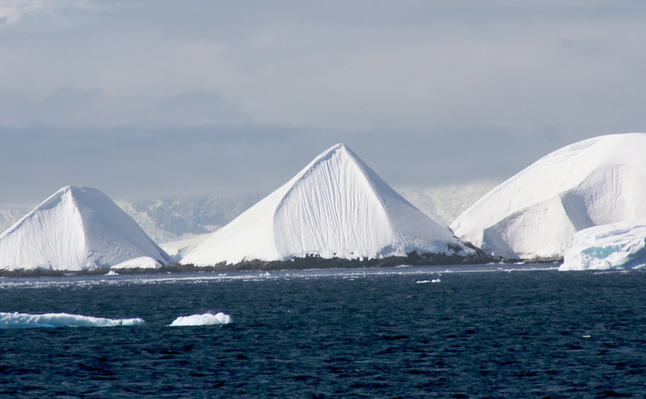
(162, 99)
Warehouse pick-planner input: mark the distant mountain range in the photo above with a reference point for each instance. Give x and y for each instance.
(166, 220)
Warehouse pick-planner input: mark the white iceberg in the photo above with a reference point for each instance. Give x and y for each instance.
(77, 228)
(335, 207)
(619, 245)
(205, 319)
(536, 212)
(26, 320)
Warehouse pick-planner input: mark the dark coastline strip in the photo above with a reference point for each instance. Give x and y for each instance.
(303, 263)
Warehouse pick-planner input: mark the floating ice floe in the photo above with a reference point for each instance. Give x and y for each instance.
(435, 280)
(205, 319)
(614, 246)
(25, 320)
(536, 212)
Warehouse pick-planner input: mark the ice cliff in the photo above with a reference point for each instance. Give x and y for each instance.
(77, 228)
(619, 245)
(335, 207)
(536, 212)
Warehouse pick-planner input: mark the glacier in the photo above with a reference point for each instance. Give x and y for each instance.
(335, 207)
(48, 320)
(620, 245)
(77, 228)
(535, 213)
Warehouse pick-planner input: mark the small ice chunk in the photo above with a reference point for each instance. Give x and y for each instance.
(619, 245)
(205, 319)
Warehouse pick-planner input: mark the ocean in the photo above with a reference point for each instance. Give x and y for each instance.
(488, 331)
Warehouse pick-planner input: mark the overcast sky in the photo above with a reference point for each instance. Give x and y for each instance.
(150, 99)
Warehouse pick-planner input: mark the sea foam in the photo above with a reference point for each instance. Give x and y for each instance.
(202, 320)
(25, 320)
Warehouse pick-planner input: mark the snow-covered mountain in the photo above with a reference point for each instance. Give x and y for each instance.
(77, 228)
(447, 201)
(10, 214)
(620, 245)
(536, 212)
(335, 207)
(170, 220)
(180, 219)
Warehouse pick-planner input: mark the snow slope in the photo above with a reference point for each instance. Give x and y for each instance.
(619, 245)
(177, 249)
(77, 228)
(536, 212)
(335, 207)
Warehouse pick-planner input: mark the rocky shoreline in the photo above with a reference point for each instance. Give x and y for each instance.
(304, 263)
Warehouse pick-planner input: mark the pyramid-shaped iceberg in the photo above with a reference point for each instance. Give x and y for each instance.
(536, 212)
(335, 207)
(77, 228)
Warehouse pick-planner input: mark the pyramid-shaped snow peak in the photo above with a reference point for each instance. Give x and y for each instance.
(77, 228)
(335, 207)
(536, 212)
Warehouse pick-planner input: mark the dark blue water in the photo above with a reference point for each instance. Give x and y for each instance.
(372, 334)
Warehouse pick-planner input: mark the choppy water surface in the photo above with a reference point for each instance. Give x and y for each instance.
(383, 333)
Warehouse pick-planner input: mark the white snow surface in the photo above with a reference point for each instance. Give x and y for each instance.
(335, 207)
(177, 249)
(77, 228)
(26, 320)
(205, 319)
(536, 212)
(143, 262)
(619, 245)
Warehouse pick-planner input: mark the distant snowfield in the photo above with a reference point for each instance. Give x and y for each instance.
(446, 202)
(169, 220)
(10, 214)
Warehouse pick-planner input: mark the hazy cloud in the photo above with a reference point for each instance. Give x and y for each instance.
(11, 11)
(135, 163)
(427, 92)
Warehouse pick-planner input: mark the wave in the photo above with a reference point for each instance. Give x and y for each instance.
(205, 319)
(25, 320)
